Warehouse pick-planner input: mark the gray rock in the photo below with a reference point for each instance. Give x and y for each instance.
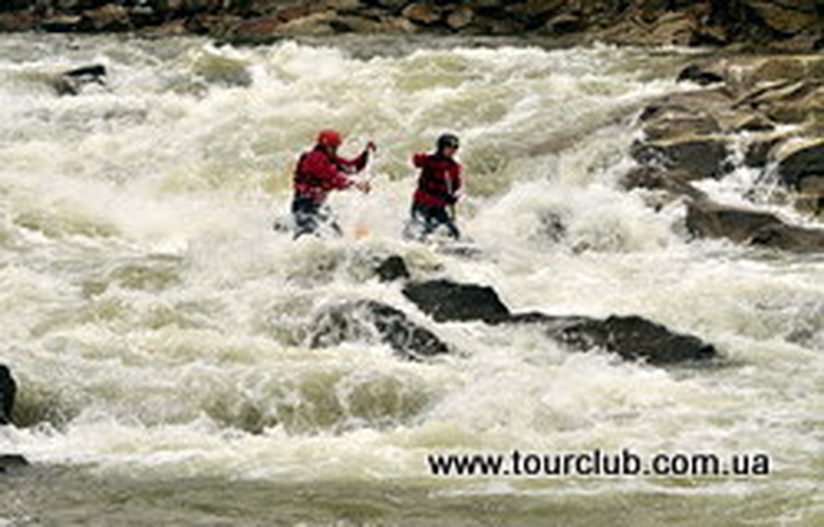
(447, 301)
(373, 322)
(9, 462)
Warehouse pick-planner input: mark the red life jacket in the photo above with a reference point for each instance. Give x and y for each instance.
(439, 182)
(317, 174)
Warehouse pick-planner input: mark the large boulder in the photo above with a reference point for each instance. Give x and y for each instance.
(373, 322)
(631, 337)
(701, 156)
(752, 227)
(447, 301)
(8, 391)
(800, 161)
(634, 338)
(787, 17)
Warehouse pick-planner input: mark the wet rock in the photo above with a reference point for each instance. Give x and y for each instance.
(109, 17)
(701, 156)
(391, 269)
(787, 17)
(634, 338)
(564, 23)
(631, 337)
(757, 153)
(447, 301)
(460, 18)
(423, 13)
(9, 462)
(800, 161)
(672, 124)
(699, 75)
(8, 392)
(73, 81)
(655, 178)
(373, 322)
(751, 227)
(62, 23)
(778, 69)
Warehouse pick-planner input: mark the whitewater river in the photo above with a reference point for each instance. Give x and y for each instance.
(156, 323)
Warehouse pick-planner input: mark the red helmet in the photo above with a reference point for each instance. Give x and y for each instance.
(329, 138)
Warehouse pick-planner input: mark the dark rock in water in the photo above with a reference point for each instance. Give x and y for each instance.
(371, 321)
(631, 337)
(8, 391)
(703, 156)
(73, 81)
(11, 462)
(699, 75)
(634, 338)
(391, 269)
(447, 301)
(751, 227)
(801, 162)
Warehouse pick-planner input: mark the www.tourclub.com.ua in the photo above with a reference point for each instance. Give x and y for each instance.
(599, 463)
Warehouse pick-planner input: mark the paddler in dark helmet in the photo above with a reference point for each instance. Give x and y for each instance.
(319, 172)
(438, 189)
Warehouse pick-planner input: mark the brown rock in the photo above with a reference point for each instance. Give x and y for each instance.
(676, 182)
(703, 157)
(779, 69)
(752, 227)
(787, 17)
(110, 17)
(10, 22)
(673, 123)
(316, 24)
(420, 13)
(460, 18)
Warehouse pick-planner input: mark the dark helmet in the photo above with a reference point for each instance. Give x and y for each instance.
(448, 141)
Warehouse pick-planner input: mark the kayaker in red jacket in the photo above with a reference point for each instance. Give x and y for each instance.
(319, 172)
(438, 188)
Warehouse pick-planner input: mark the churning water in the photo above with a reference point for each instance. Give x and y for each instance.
(156, 323)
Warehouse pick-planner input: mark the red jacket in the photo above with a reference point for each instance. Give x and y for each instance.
(317, 174)
(439, 182)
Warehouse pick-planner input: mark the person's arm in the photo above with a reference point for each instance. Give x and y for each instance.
(453, 184)
(419, 160)
(352, 166)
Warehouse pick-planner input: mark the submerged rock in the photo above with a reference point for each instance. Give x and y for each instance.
(391, 269)
(631, 337)
(8, 391)
(374, 322)
(73, 81)
(12, 462)
(447, 301)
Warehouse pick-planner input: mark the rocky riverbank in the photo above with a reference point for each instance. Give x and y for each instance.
(794, 25)
(762, 112)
